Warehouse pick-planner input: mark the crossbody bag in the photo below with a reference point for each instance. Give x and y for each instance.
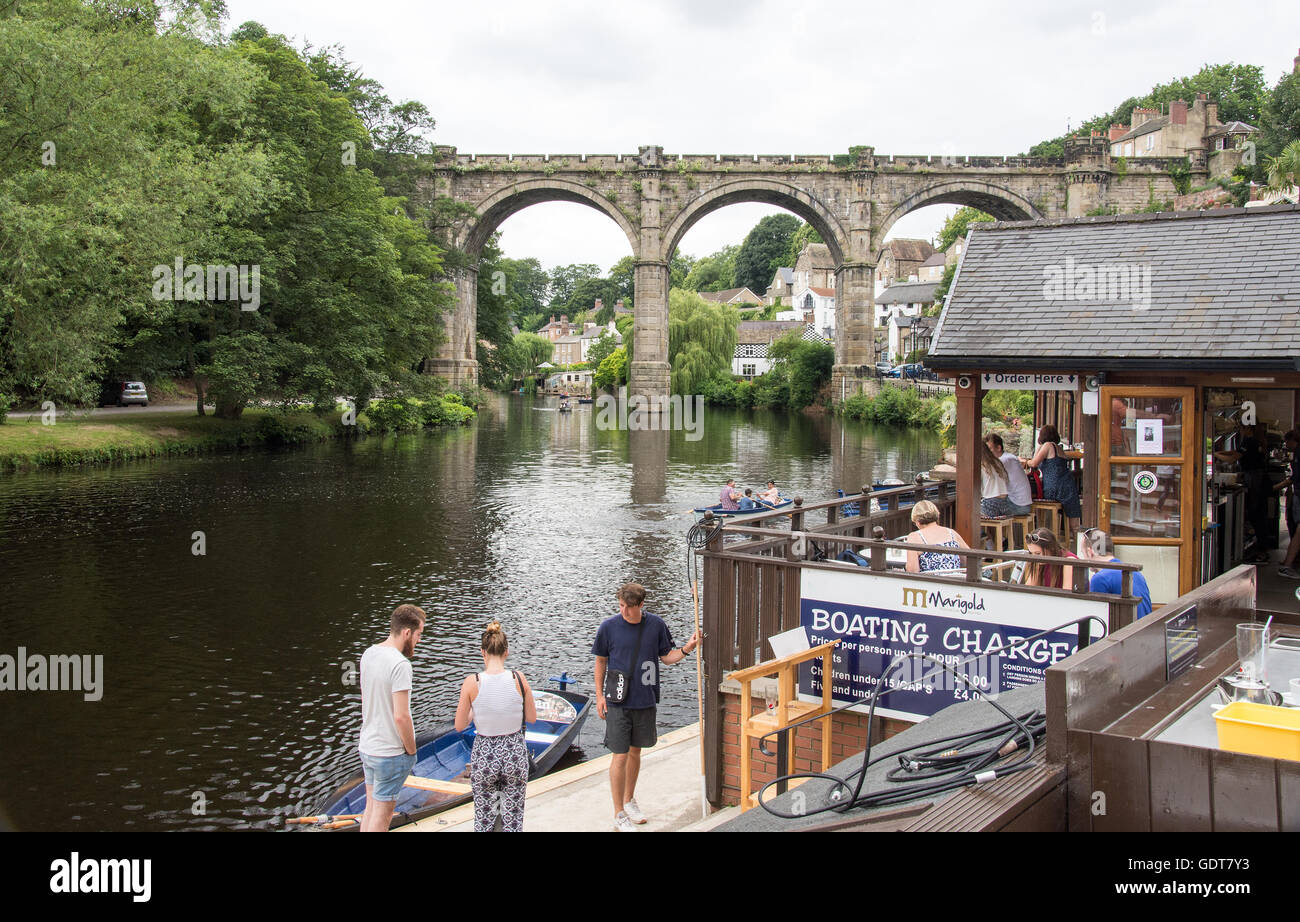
(618, 682)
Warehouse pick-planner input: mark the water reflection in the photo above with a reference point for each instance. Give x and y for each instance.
(225, 673)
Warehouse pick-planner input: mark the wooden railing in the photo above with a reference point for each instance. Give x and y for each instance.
(751, 585)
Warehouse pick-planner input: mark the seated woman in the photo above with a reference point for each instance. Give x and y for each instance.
(771, 496)
(993, 485)
(1058, 480)
(925, 516)
(1041, 542)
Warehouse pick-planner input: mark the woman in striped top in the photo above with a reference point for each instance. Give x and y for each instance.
(500, 702)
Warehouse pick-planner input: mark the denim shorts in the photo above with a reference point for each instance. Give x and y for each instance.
(386, 775)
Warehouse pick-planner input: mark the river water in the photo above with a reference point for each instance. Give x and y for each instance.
(226, 700)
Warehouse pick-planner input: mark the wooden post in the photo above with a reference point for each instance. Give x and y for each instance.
(878, 559)
(969, 435)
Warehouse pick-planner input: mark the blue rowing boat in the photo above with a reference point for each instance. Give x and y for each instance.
(721, 513)
(442, 754)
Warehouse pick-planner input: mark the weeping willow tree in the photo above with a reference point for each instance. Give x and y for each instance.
(701, 339)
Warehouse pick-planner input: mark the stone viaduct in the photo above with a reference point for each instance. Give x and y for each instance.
(851, 199)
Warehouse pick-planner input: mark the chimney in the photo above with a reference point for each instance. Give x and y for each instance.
(1211, 113)
(598, 304)
(1178, 112)
(564, 319)
(1141, 117)
(1117, 132)
(618, 305)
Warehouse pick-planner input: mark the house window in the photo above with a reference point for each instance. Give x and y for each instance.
(807, 302)
(748, 370)
(1151, 140)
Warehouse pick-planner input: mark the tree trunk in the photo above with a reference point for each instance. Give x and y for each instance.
(229, 410)
(198, 387)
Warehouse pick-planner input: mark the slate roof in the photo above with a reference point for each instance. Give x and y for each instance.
(908, 248)
(765, 331)
(937, 259)
(1233, 127)
(1224, 292)
(727, 295)
(908, 293)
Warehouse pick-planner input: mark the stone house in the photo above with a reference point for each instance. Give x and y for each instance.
(781, 286)
(555, 330)
(814, 267)
(737, 297)
(932, 269)
(815, 306)
(900, 261)
(1186, 130)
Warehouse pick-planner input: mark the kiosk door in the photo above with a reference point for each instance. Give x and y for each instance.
(1146, 481)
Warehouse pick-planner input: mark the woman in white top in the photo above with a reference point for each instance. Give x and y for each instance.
(993, 485)
(501, 704)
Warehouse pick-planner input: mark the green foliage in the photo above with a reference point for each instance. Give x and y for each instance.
(612, 370)
(763, 251)
(564, 281)
(1279, 123)
(701, 339)
(806, 367)
(406, 413)
(958, 224)
(716, 272)
(601, 349)
(1238, 89)
(1004, 406)
(722, 390)
(1284, 169)
(5, 403)
(896, 406)
(1180, 174)
(805, 235)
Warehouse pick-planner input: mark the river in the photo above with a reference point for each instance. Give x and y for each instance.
(226, 700)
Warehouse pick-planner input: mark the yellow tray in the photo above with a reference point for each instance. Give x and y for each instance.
(1260, 730)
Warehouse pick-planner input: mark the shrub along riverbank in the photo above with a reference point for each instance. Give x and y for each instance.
(72, 440)
(898, 406)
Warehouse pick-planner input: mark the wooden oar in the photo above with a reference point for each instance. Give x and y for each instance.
(341, 823)
(311, 820)
(437, 786)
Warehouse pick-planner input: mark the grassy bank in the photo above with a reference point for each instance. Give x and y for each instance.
(74, 440)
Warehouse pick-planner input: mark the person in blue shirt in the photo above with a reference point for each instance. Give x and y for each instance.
(630, 725)
(747, 503)
(1097, 545)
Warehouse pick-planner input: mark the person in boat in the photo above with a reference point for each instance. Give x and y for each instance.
(771, 496)
(1042, 542)
(1097, 545)
(925, 517)
(500, 703)
(387, 743)
(728, 497)
(631, 645)
(747, 503)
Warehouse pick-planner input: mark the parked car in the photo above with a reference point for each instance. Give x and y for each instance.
(125, 393)
(883, 369)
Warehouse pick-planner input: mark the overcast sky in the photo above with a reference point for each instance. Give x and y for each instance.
(747, 77)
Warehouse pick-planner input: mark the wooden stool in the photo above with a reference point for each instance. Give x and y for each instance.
(1049, 514)
(1025, 523)
(998, 527)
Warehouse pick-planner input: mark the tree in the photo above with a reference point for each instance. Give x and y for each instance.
(763, 250)
(701, 339)
(565, 279)
(716, 272)
(805, 235)
(1284, 169)
(958, 224)
(1280, 121)
(805, 366)
(601, 349)
(587, 292)
(612, 371)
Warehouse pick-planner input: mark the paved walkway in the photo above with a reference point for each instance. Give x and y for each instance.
(577, 799)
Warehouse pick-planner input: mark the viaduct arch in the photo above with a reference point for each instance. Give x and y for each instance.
(852, 200)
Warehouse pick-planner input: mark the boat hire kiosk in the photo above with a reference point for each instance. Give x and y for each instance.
(1147, 339)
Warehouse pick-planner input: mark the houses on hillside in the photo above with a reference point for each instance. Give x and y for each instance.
(1185, 130)
(754, 339)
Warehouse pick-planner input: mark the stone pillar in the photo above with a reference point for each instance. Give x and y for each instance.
(456, 359)
(854, 307)
(1087, 175)
(649, 374)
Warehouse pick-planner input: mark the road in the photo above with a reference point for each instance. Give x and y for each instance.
(115, 411)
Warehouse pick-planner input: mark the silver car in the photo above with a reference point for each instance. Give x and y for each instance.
(133, 392)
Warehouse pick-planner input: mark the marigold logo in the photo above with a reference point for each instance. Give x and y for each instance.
(914, 597)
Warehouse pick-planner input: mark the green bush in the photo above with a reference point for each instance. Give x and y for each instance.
(5, 403)
(722, 390)
(1003, 406)
(896, 406)
(402, 414)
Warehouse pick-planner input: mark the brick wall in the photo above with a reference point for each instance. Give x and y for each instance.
(848, 737)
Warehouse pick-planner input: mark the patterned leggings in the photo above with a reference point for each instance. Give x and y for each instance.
(499, 775)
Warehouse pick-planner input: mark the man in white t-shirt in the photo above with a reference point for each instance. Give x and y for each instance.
(1019, 493)
(387, 732)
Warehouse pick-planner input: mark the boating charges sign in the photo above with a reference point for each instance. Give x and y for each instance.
(877, 619)
(1000, 381)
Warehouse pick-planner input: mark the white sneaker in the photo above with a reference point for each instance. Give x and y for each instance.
(623, 824)
(634, 812)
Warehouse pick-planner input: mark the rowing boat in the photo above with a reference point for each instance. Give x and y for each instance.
(442, 758)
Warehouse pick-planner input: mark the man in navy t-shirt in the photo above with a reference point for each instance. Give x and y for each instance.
(630, 725)
(1097, 545)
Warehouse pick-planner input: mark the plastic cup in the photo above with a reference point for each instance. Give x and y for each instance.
(1252, 647)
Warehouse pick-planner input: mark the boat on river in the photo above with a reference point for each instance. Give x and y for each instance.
(735, 514)
(442, 759)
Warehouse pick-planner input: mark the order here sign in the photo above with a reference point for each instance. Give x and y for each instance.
(879, 618)
(1005, 381)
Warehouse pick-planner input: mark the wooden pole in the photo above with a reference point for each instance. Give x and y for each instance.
(969, 435)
